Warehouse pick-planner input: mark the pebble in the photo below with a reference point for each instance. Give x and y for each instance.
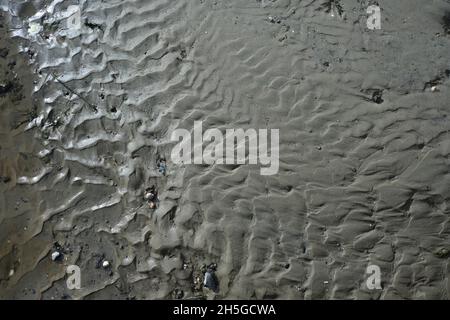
(210, 281)
(56, 255)
(149, 196)
(178, 294)
(105, 264)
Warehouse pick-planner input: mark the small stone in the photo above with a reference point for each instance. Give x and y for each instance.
(11, 273)
(210, 281)
(213, 266)
(434, 89)
(162, 167)
(377, 96)
(105, 264)
(34, 28)
(56, 255)
(178, 294)
(442, 253)
(274, 19)
(149, 195)
(4, 52)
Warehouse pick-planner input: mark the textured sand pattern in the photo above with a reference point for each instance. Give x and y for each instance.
(364, 150)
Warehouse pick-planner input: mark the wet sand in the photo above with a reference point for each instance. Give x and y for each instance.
(364, 121)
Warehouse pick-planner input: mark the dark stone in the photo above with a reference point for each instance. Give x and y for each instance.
(210, 281)
(377, 96)
(178, 294)
(6, 88)
(4, 52)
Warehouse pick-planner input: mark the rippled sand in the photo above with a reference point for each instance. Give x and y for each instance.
(364, 125)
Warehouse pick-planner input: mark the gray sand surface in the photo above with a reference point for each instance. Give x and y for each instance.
(364, 119)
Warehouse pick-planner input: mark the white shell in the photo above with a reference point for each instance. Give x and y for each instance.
(148, 195)
(55, 255)
(34, 28)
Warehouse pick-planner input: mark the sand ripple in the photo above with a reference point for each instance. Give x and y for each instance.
(360, 182)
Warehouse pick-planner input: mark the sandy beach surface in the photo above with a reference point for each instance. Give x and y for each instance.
(87, 111)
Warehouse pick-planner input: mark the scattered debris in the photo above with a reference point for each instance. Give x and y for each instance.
(197, 283)
(93, 26)
(151, 196)
(274, 19)
(434, 83)
(94, 108)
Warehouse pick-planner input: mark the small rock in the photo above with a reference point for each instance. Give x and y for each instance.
(178, 294)
(377, 96)
(274, 19)
(11, 273)
(442, 253)
(4, 52)
(105, 264)
(213, 266)
(210, 281)
(56, 256)
(149, 195)
(162, 167)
